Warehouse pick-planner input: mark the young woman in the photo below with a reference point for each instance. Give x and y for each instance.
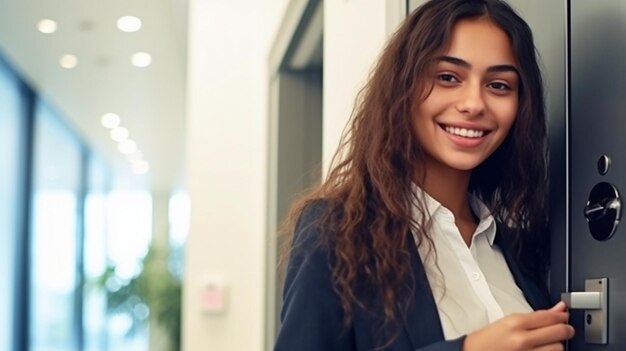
(429, 232)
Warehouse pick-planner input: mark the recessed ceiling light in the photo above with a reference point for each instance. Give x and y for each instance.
(119, 134)
(141, 59)
(110, 120)
(129, 24)
(47, 26)
(68, 61)
(127, 147)
(140, 167)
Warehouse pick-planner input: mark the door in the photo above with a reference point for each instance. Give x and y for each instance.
(597, 171)
(295, 133)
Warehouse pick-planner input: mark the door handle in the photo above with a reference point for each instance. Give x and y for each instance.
(594, 300)
(584, 300)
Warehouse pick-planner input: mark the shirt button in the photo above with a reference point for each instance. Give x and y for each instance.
(475, 276)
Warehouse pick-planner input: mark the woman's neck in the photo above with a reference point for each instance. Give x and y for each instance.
(449, 187)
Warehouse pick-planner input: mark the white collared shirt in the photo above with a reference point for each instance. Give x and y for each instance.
(472, 286)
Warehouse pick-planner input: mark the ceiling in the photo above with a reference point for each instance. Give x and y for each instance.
(150, 101)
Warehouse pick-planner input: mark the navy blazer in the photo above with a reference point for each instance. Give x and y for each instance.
(312, 316)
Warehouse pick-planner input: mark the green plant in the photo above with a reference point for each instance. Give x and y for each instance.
(154, 294)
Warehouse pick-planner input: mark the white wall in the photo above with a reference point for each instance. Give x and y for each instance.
(227, 148)
(354, 34)
(226, 177)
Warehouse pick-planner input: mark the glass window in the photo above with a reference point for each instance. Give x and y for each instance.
(10, 154)
(55, 196)
(95, 256)
(179, 210)
(179, 217)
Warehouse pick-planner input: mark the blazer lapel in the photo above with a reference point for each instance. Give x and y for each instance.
(422, 322)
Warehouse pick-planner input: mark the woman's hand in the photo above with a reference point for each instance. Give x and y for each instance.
(543, 330)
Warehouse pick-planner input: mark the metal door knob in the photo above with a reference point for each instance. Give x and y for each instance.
(603, 211)
(595, 211)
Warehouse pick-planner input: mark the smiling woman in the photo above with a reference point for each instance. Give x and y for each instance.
(417, 239)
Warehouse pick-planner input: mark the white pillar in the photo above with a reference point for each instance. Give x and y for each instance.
(227, 88)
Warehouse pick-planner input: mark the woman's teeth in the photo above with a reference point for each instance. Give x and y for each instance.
(466, 133)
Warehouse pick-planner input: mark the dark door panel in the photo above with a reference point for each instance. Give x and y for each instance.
(597, 118)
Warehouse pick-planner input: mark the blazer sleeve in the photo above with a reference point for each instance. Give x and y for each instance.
(311, 315)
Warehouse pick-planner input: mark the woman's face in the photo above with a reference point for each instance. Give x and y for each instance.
(474, 98)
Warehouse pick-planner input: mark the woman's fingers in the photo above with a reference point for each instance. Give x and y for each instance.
(559, 307)
(537, 331)
(550, 334)
(537, 319)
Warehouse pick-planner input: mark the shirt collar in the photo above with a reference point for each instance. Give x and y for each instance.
(486, 221)
(435, 209)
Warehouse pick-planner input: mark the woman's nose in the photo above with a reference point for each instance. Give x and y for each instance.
(471, 102)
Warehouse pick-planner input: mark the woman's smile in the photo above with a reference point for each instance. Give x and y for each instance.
(465, 133)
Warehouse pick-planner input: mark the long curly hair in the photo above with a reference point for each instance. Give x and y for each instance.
(368, 191)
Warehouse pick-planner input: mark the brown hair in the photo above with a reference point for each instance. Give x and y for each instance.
(367, 194)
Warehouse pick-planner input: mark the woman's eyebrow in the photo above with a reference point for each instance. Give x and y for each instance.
(460, 62)
(455, 61)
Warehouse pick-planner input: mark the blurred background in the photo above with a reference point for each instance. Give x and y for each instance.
(94, 211)
(150, 150)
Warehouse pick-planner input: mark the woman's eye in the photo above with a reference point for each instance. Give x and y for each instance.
(499, 86)
(447, 78)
